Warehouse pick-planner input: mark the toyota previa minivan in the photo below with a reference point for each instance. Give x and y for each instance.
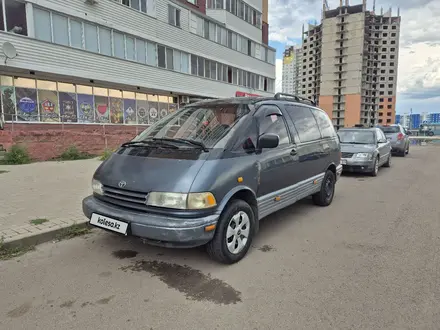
(208, 173)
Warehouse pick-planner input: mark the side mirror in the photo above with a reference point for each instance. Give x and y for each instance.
(2, 124)
(268, 141)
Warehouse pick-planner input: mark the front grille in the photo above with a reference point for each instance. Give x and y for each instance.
(347, 154)
(125, 198)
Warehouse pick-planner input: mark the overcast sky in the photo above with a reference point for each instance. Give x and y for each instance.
(419, 59)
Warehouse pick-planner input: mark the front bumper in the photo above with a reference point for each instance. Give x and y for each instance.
(355, 165)
(156, 229)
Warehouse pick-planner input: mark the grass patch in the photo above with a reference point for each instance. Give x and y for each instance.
(38, 221)
(7, 253)
(73, 153)
(106, 154)
(17, 155)
(72, 231)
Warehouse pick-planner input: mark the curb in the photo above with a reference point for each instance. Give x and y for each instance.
(43, 237)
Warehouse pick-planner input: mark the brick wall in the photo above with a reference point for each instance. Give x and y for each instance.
(48, 141)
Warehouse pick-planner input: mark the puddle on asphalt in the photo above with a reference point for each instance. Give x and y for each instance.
(191, 282)
(125, 254)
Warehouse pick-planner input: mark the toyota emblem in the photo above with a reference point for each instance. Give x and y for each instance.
(122, 184)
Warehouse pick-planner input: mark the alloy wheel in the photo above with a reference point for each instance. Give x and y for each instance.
(237, 233)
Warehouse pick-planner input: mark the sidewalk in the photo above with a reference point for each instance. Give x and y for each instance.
(49, 191)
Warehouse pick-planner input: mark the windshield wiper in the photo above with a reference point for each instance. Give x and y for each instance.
(194, 143)
(186, 141)
(147, 143)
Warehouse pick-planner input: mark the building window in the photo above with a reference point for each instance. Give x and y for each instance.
(380, 121)
(389, 106)
(105, 42)
(118, 45)
(394, 27)
(194, 65)
(60, 30)
(43, 30)
(390, 99)
(193, 2)
(185, 62)
(381, 106)
(15, 13)
(141, 50)
(91, 37)
(173, 16)
(151, 54)
(388, 121)
(170, 59)
(161, 61)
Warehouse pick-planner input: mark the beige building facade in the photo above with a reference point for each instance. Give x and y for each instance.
(349, 64)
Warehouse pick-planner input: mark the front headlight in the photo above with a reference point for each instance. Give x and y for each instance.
(191, 201)
(97, 187)
(363, 155)
(169, 200)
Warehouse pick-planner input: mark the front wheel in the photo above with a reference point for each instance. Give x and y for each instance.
(325, 196)
(375, 170)
(234, 233)
(388, 163)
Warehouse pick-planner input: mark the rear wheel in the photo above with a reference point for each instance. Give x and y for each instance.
(325, 196)
(234, 233)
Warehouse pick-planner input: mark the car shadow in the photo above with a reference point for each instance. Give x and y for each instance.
(123, 247)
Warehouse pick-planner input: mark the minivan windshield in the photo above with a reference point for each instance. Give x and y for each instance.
(204, 124)
(390, 129)
(356, 137)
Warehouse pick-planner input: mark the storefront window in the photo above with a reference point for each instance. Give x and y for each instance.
(16, 17)
(24, 82)
(6, 81)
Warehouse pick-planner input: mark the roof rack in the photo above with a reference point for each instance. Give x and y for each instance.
(295, 97)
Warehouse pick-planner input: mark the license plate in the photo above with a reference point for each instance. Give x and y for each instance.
(109, 223)
(343, 161)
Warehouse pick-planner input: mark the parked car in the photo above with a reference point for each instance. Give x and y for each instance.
(364, 150)
(208, 173)
(399, 138)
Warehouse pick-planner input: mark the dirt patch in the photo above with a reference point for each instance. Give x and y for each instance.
(105, 301)
(191, 282)
(20, 310)
(267, 248)
(124, 254)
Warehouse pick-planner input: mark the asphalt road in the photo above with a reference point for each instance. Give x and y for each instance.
(369, 261)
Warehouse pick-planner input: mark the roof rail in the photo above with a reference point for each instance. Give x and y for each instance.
(295, 97)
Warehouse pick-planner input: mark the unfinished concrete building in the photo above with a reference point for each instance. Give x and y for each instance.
(350, 62)
(292, 69)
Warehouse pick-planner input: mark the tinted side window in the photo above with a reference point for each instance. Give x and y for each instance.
(324, 123)
(304, 122)
(272, 123)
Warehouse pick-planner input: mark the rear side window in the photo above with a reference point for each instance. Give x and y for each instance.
(272, 123)
(390, 129)
(324, 123)
(304, 122)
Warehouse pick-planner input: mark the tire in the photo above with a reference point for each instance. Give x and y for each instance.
(325, 196)
(407, 149)
(388, 163)
(234, 213)
(375, 168)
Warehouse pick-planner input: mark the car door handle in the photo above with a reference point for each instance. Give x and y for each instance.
(293, 152)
